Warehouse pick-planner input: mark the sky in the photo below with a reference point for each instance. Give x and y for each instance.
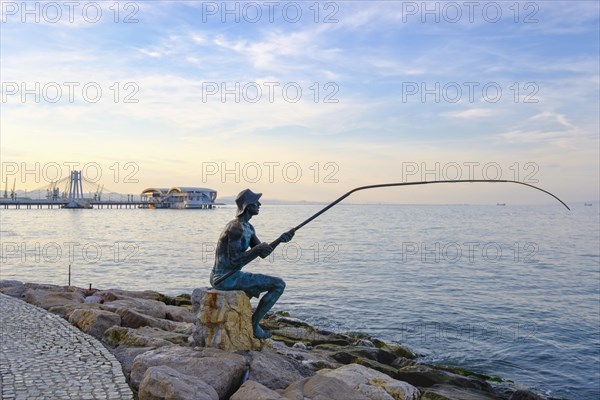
(304, 100)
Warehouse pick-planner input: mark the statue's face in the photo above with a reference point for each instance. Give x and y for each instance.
(253, 208)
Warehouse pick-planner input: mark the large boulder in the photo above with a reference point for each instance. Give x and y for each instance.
(223, 320)
(126, 354)
(306, 334)
(449, 392)
(524, 395)
(54, 296)
(373, 384)
(349, 354)
(425, 376)
(65, 311)
(117, 294)
(320, 387)
(152, 308)
(184, 299)
(94, 322)
(376, 365)
(5, 283)
(252, 390)
(314, 360)
(13, 288)
(221, 370)
(292, 330)
(142, 337)
(135, 319)
(46, 286)
(395, 348)
(162, 383)
(180, 314)
(275, 371)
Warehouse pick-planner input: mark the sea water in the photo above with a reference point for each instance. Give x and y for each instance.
(510, 291)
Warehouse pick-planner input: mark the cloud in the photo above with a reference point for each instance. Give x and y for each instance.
(550, 116)
(471, 113)
(172, 44)
(389, 67)
(152, 53)
(281, 52)
(537, 136)
(198, 39)
(548, 129)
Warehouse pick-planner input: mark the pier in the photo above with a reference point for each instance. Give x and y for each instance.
(31, 204)
(40, 204)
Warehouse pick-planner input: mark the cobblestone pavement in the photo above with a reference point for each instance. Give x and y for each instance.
(44, 357)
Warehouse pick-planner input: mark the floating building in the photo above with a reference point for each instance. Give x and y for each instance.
(180, 197)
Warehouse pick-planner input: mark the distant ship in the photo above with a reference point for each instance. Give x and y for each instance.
(588, 204)
(180, 198)
(500, 204)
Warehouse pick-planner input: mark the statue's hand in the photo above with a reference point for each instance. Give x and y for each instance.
(264, 249)
(287, 236)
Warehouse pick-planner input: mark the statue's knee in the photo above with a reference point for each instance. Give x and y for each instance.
(280, 285)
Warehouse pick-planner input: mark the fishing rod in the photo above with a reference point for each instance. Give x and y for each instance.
(277, 241)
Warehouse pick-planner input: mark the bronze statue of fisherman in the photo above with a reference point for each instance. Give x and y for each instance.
(233, 254)
(238, 245)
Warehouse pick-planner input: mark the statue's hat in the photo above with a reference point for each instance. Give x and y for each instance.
(246, 197)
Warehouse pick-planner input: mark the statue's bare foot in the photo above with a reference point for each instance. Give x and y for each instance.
(259, 333)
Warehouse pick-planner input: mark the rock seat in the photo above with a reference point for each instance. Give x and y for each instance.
(222, 320)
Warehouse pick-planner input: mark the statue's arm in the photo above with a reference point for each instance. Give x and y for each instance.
(254, 241)
(263, 249)
(239, 258)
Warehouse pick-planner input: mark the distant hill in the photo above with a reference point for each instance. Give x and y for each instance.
(231, 200)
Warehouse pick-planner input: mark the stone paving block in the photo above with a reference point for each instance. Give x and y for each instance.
(43, 355)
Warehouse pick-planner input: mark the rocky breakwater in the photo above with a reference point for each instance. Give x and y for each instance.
(171, 349)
